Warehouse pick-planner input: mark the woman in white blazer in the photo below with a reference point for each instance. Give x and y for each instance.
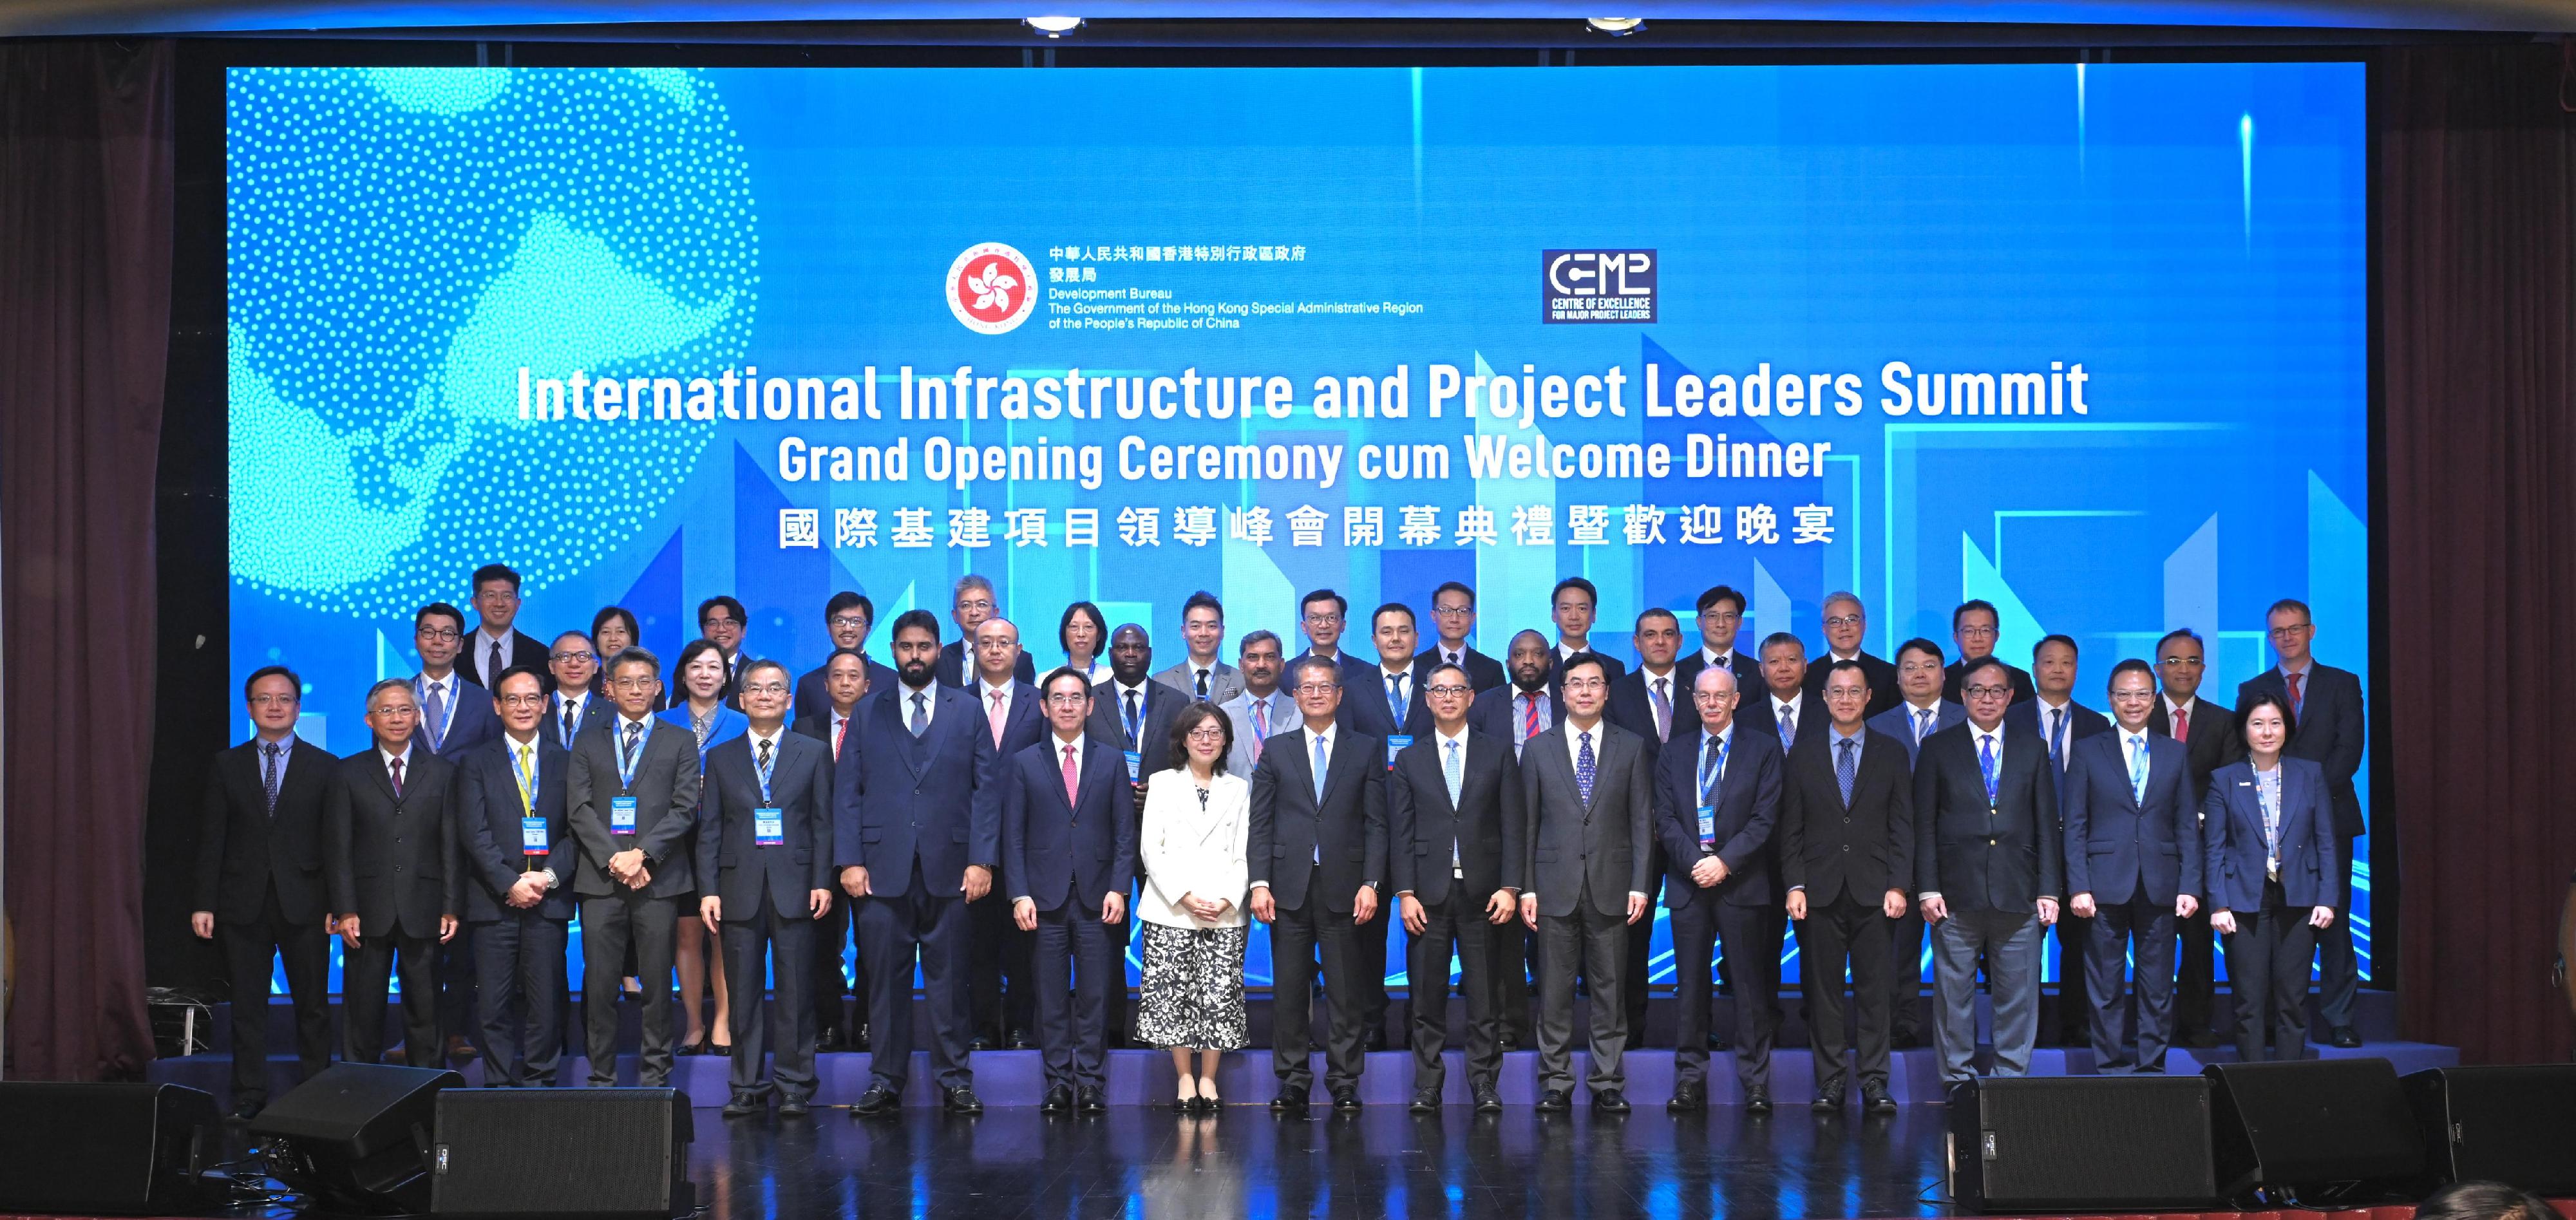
(1196, 823)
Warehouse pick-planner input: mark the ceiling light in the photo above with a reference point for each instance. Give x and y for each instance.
(1053, 27)
(1616, 26)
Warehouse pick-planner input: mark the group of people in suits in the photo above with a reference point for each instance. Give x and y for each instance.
(1520, 818)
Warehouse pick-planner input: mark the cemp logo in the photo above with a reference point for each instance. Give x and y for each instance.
(992, 288)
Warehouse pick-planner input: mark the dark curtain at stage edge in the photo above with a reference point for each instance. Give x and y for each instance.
(85, 232)
(2477, 226)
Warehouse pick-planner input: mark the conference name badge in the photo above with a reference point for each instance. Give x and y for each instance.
(621, 815)
(768, 827)
(1135, 765)
(532, 836)
(1708, 825)
(1395, 744)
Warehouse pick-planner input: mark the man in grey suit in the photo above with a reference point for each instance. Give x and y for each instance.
(1261, 708)
(1203, 675)
(1919, 713)
(2326, 705)
(1588, 794)
(633, 805)
(1988, 870)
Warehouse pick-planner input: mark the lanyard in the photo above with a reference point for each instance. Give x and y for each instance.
(526, 770)
(763, 769)
(447, 715)
(1710, 778)
(627, 762)
(1135, 722)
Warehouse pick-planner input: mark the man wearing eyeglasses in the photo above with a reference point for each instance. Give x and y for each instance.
(389, 860)
(1846, 627)
(2327, 727)
(632, 800)
(496, 645)
(1453, 619)
(1453, 807)
(574, 662)
(1846, 853)
(2133, 866)
(2208, 733)
(1589, 794)
(1203, 675)
(451, 721)
(1324, 615)
(971, 601)
(846, 682)
(1069, 849)
(722, 621)
(1717, 803)
(1721, 617)
(847, 618)
(1974, 627)
(511, 835)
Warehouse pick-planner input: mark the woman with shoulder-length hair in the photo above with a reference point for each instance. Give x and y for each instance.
(1197, 821)
(1084, 635)
(2269, 834)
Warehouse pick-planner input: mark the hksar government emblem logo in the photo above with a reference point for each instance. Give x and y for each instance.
(992, 288)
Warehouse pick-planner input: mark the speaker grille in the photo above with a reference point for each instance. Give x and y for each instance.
(593, 1152)
(2094, 1144)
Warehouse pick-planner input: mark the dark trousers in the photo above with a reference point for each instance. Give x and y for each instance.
(306, 949)
(785, 944)
(2196, 984)
(2267, 967)
(611, 926)
(830, 986)
(2338, 968)
(1002, 991)
(1371, 944)
(1597, 945)
(458, 1012)
(363, 972)
(1517, 988)
(2106, 960)
(1633, 991)
(892, 932)
(2072, 933)
(1904, 971)
(1698, 929)
(519, 971)
(1847, 929)
(1457, 920)
(1296, 936)
(1076, 964)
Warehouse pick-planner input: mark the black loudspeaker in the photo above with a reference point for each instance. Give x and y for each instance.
(562, 1152)
(2081, 1143)
(357, 1136)
(105, 1148)
(2314, 1131)
(2499, 1124)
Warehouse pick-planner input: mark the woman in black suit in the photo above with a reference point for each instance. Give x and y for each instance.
(2269, 832)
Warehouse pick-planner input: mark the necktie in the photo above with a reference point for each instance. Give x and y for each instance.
(1072, 778)
(1260, 726)
(397, 770)
(920, 713)
(1395, 699)
(492, 674)
(634, 734)
(1449, 769)
(437, 711)
(764, 767)
(1986, 764)
(1529, 721)
(1320, 764)
(568, 723)
(996, 717)
(1132, 721)
(1583, 767)
(527, 778)
(1663, 710)
(2057, 737)
(2182, 725)
(2138, 770)
(1922, 724)
(1788, 725)
(2296, 681)
(1846, 767)
(1203, 687)
(840, 729)
(1712, 766)
(268, 773)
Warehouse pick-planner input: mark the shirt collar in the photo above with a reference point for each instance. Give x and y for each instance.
(1461, 738)
(989, 690)
(404, 758)
(1912, 708)
(1669, 675)
(2186, 706)
(643, 721)
(1996, 732)
(2301, 670)
(1793, 702)
(1857, 734)
(2127, 738)
(1725, 736)
(1137, 690)
(1716, 658)
(756, 737)
(2046, 706)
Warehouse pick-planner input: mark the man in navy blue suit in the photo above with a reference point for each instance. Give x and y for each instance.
(1919, 713)
(496, 646)
(917, 833)
(574, 706)
(1716, 800)
(453, 720)
(510, 825)
(2057, 719)
(848, 618)
(1069, 850)
(2133, 865)
(999, 985)
(1391, 707)
(1721, 616)
(2326, 705)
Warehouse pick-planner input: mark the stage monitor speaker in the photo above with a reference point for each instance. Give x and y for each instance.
(568, 1152)
(105, 1149)
(2314, 1131)
(2081, 1144)
(357, 1136)
(2499, 1124)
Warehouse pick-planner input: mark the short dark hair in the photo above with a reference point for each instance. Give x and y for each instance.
(1720, 593)
(1657, 612)
(1919, 644)
(1599, 664)
(1387, 608)
(1098, 624)
(2055, 638)
(491, 572)
(1535, 636)
(423, 615)
(1203, 600)
(638, 655)
(273, 671)
(852, 653)
(1341, 604)
(1455, 586)
(914, 618)
(1311, 661)
(1974, 603)
(1251, 638)
(2182, 633)
(1189, 719)
(1781, 637)
(576, 633)
(2474, 1200)
(517, 671)
(766, 663)
(620, 613)
(722, 601)
(1046, 685)
(2276, 700)
(1451, 666)
(845, 600)
(2291, 603)
(1980, 665)
(1850, 664)
(1575, 582)
(2130, 665)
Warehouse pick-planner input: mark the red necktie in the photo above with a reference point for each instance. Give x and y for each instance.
(2294, 680)
(840, 729)
(1529, 717)
(2182, 724)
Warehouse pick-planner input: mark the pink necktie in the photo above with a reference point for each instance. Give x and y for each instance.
(996, 718)
(1072, 780)
(2182, 724)
(1260, 726)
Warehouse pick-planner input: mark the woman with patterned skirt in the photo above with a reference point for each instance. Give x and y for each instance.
(1197, 819)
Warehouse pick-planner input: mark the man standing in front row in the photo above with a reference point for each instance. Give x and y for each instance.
(1846, 850)
(1454, 808)
(511, 832)
(633, 803)
(1717, 798)
(1069, 852)
(765, 850)
(389, 858)
(1988, 871)
(2133, 865)
(1589, 797)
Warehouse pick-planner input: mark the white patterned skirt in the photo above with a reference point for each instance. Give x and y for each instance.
(1193, 988)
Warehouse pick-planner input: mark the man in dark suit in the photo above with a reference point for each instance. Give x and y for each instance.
(1391, 708)
(1846, 625)
(497, 646)
(1573, 606)
(389, 860)
(1453, 619)
(1919, 713)
(2329, 726)
(1781, 706)
(574, 706)
(765, 853)
(971, 602)
(721, 621)
(848, 618)
(917, 827)
(1988, 870)
(846, 684)
(1317, 846)
(258, 880)
(1846, 852)
(1721, 616)
(2056, 718)
(511, 832)
(1069, 850)
(2208, 731)
(1454, 809)
(1000, 988)
(2133, 865)
(449, 720)
(1590, 798)
(1326, 615)
(1974, 627)
(1716, 801)
(1652, 702)
(633, 804)
(1516, 712)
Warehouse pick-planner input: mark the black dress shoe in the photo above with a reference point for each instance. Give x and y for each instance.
(721, 1051)
(2344, 1036)
(794, 1107)
(1828, 1101)
(1346, 1099)
(2200, 1039)
(1554, 1101)
(1058, 1100)
(878, 1102)
(859, 1040)
(1425, 1101)
(1904, 1038)
(1377, 1039)
(248, 1110)
(742, 1105)
(1874, 1098)
(1019, 1041)
(827, 1038)
(1507, 1041)
(963, 1101)
(981, 1043)
(1610, 1101)
(1092, 1102)
(1290, 1098)
(1718, 1042)
(1688, 1099)
(1489, 1100)
(1757, 1101)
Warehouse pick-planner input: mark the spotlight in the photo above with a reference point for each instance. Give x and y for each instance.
(1053, 27)
(1616, 27)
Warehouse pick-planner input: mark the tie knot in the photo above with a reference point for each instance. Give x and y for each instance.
(269, 748)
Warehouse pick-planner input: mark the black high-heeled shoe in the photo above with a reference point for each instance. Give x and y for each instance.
(698, 1047)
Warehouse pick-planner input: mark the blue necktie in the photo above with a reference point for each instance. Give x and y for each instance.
(1788, 728)
(1986, 764)
(436, 713)
(634, 733)
(1449, 770)
(1395, 700)
(1846, 766)
(920, 713)
(1321, 763)
(1583, 768)
(2057, 737)
(1922, 724)
(1712, 765)
(2138, 770)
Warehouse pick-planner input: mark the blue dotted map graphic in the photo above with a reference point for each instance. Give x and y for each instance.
(403, 241)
